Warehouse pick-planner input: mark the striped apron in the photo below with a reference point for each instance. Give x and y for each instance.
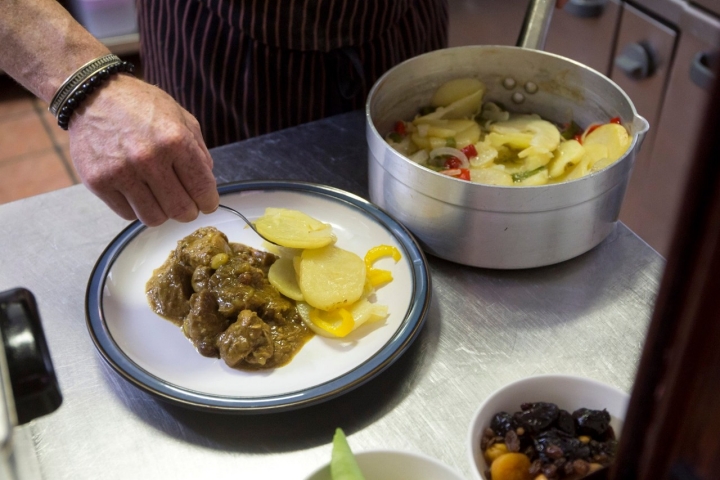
(249, 67)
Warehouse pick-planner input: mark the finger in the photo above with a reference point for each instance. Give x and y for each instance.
(144, 203)
(199, 182)
(173, 198)
(194, 127)
(118, 204)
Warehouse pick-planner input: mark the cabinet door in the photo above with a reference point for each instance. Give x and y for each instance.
(585, 31)
(485, 22)
(667, 160)
(641, 67)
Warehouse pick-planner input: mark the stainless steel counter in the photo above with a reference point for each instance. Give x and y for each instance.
(587, 316)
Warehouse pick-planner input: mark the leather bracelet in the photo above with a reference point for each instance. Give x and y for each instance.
(83, 82)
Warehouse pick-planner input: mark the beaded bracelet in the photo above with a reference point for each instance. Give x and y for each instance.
(83, 82)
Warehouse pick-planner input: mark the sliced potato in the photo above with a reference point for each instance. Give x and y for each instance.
(282, 252)
(455, 90)
(330, 277)
(544, 136)
(428, 143)
(567, 155)
(540, 178)
(490, 176)
(611, 135)
(294, 229)
(468, 136)
(282, 276)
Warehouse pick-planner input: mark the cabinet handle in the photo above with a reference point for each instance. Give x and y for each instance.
(702, 71)
(586, 8)
(636, 61)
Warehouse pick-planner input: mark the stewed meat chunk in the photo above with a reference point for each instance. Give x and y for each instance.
(218, 292)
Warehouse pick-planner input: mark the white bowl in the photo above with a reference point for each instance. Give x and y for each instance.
(566, 391)
(395, 465)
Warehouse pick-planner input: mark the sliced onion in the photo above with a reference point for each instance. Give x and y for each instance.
(421, 157)
(451, 173)
(453, 152)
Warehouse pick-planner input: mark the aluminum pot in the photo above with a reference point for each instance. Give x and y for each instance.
(496, 226)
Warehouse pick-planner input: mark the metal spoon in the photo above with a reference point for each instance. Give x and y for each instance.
(250, 224)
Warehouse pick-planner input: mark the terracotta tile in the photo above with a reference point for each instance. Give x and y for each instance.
(59, 136)
(21, 135)
(33, 175)
(65, 152)
(14, 99)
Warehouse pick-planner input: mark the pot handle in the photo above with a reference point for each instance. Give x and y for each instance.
(536, 24)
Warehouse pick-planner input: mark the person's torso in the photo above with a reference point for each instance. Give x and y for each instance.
(320, 25)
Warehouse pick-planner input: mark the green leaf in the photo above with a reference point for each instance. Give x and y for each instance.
(395, 137)
(571, 130)
(519, 177)
(343, 465)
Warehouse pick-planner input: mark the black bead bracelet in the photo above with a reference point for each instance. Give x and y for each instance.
(82, 83)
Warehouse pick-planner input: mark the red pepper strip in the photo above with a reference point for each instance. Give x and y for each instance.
(591, 129)
(452, 163)
(461, 173)
(400, 127)
(578, 137)
(616, 120)
(470, 151)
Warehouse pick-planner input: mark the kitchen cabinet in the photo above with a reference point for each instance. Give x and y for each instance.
(656, 189)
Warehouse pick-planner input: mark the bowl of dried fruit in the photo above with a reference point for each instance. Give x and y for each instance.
(546, 427)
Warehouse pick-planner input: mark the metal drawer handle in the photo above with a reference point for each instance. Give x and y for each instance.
(636, 61)
(702, 71)
(586, 8)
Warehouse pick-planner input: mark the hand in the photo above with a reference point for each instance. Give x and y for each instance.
(142, 153)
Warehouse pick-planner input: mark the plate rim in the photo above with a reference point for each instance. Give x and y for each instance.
(400, 341)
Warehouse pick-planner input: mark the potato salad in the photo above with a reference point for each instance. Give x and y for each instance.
(462, 136)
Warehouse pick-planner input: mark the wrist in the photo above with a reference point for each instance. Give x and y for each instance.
(83, 82)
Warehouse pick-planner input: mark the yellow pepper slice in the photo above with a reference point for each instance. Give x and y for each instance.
(339, 322)
(380, 251)
(378, 276)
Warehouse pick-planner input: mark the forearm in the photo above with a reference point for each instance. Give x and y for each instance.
(41, 44)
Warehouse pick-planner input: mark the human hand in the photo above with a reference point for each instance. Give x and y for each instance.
(142, 153)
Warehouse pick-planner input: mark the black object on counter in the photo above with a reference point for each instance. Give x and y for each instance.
(35, 388)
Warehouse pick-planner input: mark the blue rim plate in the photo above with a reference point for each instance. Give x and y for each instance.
(153, 355)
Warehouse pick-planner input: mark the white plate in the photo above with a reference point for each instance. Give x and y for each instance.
(153, 353)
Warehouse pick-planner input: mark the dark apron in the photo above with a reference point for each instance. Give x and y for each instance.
(249, 67)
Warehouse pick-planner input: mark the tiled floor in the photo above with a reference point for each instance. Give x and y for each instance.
(34, 151)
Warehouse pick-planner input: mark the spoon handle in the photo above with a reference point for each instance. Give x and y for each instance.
(249, 223)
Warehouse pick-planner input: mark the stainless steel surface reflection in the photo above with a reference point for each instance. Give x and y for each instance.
(586, 316)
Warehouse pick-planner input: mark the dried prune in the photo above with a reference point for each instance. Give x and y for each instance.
(559, 444)
(536, 417)
(547, 443)
(591, 422)
(502, 423)
(565, 422)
